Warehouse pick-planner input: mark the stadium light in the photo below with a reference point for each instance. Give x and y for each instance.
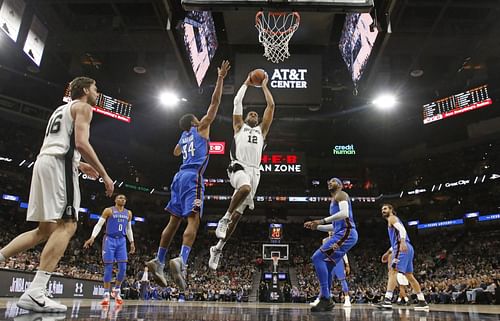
(385, 101)
(169, 99)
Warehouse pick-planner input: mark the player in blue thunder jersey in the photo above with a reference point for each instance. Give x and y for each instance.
(401, 258)
(187, 189)
(118, 221)
(344, 238)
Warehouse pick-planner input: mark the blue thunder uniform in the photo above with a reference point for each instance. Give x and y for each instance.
(187, 189)
(344, 234)
(114, 247)
(402, 262)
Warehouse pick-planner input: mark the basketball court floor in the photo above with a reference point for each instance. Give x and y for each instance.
(155, 310)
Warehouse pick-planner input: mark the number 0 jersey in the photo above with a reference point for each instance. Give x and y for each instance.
(116, 225)
(247, 146)
(59, 134)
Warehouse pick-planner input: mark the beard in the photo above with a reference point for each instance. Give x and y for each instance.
(251, 123)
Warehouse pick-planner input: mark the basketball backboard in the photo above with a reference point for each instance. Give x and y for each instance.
(298, 5)
(272, 250)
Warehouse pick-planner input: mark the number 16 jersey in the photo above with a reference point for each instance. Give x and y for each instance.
(59, 134)
(247, 146)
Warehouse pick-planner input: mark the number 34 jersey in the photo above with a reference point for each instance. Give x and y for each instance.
(194, 150)
(247, 146)
(59, 134)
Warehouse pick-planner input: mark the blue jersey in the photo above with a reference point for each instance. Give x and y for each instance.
(194, 150)
(394, 236)
(116, 225)
(342, 225)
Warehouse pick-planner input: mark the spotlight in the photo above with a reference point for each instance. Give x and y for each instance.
(168, 99)
(385, 101)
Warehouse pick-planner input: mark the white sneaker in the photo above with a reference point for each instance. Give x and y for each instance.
(347, 303)
(178, 271)
(215, 255)
(40, 302)
(315, 302)
(221, 229)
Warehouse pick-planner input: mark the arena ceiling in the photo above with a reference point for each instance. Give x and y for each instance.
(456, 43)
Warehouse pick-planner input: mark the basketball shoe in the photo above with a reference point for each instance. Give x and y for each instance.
(221, 229)
(323, 305)
(38, 300)
(157, 271)
(178, 271)
(215, 255)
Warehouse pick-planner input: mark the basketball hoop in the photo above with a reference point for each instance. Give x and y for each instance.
(275, 31)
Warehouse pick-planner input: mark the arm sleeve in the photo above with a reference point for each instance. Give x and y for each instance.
(97, 227)
(346, 260)
(238, 100)
(340, 215)
(401, 229)
(130, 235)
(325, 228)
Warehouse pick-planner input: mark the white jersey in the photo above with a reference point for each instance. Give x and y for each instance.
(247, 146)
(59, 138)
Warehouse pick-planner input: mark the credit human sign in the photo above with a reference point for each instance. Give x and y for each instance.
(344, 150)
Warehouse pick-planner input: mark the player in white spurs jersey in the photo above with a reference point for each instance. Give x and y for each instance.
(244, 173)
(54, 199)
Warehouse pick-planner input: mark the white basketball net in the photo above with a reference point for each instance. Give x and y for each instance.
(275, 31)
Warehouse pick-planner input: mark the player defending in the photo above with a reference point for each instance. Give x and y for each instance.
(402, 259)
(344, 238)
(54, 199)
(187, 188)
(118, 221)
(338, 272)
(243, 171)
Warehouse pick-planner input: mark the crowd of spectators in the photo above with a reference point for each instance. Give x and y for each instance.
(456, 266)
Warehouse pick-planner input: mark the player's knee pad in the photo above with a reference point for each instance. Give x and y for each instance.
(345, 287)
(122, 270)
(108, 272)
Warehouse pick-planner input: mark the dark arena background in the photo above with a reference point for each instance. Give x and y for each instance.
(399, 99)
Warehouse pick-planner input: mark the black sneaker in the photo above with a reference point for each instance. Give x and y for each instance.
(421, 306)
(384, 305)
(323, 305)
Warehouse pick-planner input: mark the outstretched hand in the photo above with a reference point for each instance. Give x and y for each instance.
(265, 80)
(312, 225)
(223, 69)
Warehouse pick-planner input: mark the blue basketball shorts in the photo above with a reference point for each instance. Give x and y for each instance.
(186, 194)
(114, 249)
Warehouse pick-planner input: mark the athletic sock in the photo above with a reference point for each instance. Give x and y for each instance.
(40, 281)
(220, 245)
(388, 295)
(227, 215)
(185, 253)
(420, 296)
(162, 253)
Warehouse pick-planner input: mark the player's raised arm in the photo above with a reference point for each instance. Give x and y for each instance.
(97, 228)
(207, 120)
(267, 119)
(238, 106)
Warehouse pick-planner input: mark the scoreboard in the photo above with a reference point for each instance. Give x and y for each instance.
(108, 106)
(457, 104)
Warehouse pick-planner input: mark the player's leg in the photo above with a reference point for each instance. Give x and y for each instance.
(35, 297)
(241, 182)
(121, 259)
(27, 240)
(174, 207)
(108, 258)
(403, 296)
(405, 265)
(178, 265)
(339, 271)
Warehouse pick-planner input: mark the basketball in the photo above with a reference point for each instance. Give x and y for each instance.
(257, 76)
